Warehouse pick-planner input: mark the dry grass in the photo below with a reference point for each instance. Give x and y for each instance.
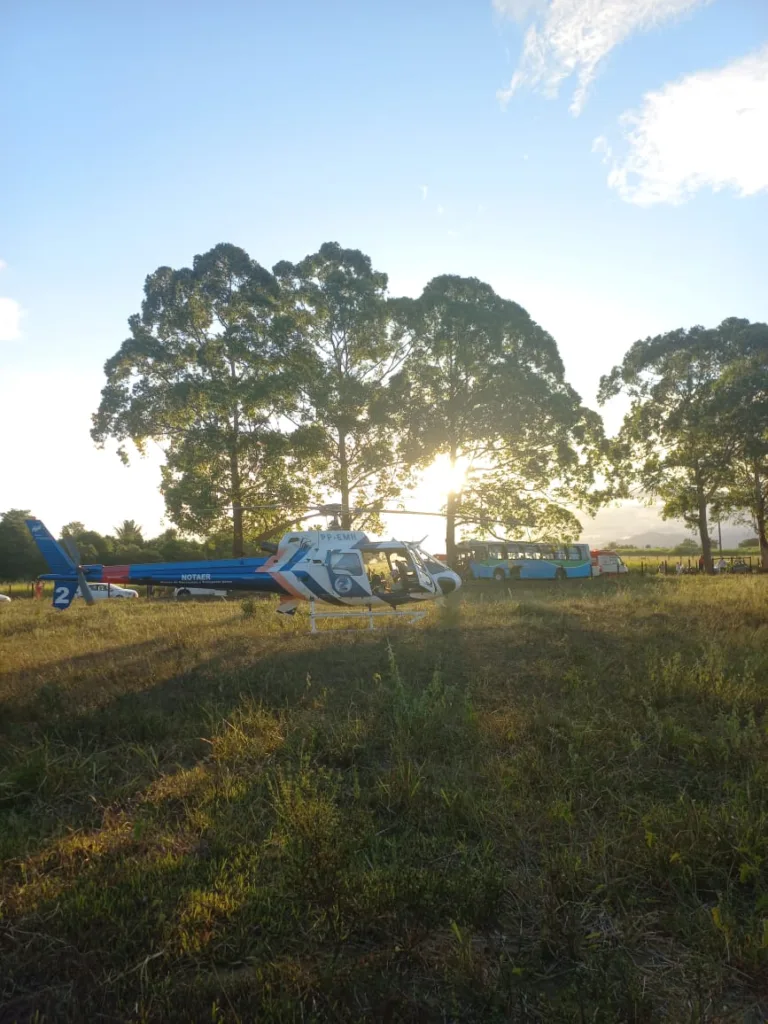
(543, 803)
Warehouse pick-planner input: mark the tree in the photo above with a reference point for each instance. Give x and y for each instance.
(20, 558)
(203, 373)
(485, 387)
(129, 532)
(74, 529)
(92, 547)
(677, 439)
(750, 542)
(687, 547)
(742, 395)
(347, 414)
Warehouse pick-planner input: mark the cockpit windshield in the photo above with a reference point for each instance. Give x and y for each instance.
(432, 565)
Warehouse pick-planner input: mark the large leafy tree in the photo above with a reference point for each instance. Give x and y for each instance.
(741, 395)
(205, 374)
(680, 437)
(484, 386)
(347, 413)
(19, 555)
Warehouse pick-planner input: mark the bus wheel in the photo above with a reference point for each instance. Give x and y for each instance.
(499, 575)
(560, 574)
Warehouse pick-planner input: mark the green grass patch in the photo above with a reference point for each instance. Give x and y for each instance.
(544, 802)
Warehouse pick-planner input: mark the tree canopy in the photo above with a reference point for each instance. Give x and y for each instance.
(204, 373)
(346, 405)
(485, 387)
(19, 555)
(270, 392)
(695, 434)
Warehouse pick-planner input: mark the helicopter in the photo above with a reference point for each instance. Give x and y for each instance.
(342, 568)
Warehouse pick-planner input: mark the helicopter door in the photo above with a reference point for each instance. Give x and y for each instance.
(346, 574)
(426, 582)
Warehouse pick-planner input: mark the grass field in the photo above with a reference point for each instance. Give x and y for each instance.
(543, 803)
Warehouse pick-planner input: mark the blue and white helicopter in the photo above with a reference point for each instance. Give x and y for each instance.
(343, 568)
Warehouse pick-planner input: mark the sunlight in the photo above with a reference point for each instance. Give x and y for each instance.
(438, 480)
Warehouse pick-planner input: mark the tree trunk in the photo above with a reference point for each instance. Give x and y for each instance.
(238, 547)
(450, 518)
(760, 515)
(706, 547)
(346, 516)
(450, 530)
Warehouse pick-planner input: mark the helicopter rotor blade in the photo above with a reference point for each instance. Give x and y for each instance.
(85, 590)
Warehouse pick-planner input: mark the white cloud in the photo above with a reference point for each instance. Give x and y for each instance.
(424, 191)
(440, 211)
(3, 264)
(518, 9)
(709, 129)
(572, 37)
(602, 146)
(10, 319)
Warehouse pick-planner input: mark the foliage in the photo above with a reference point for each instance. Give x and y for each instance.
(485, 387)
(687, 547)
(548, 805)
(678, 439)
(19, 556)
(129, 532)
(743, 396)
(204, 374)
(750, 542)
(341, 320)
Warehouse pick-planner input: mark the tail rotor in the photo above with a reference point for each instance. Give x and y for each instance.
(74, 554)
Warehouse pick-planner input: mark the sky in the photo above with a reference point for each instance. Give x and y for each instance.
(602, 162)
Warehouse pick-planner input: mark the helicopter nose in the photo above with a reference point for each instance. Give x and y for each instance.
(449, 583)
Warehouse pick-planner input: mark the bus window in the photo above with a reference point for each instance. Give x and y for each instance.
(575, 553)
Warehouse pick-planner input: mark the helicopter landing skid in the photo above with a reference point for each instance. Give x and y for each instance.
(369, 615)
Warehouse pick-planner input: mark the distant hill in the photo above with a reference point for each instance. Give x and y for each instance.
(676, 535)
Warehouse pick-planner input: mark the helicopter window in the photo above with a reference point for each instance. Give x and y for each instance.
(347, 562)
(415, 557)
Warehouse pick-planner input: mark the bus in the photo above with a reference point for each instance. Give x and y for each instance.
(506, 560)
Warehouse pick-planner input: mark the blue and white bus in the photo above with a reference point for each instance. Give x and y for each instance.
(505, 560)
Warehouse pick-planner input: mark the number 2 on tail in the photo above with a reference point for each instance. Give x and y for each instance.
(61, 596)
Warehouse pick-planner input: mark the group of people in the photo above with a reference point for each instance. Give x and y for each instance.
(719, 566)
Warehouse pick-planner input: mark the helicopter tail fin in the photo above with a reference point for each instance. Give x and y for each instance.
(54, 554)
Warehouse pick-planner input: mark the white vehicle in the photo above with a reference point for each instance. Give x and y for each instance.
(607, 563)
(104, 591)
(186, 593)
(4, 597)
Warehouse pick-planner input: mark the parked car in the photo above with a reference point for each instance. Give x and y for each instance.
(187, 593)
(4, 597)
(607, 563)
(103, 591)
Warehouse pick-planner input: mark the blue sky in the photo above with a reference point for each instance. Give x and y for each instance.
(619, 188)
